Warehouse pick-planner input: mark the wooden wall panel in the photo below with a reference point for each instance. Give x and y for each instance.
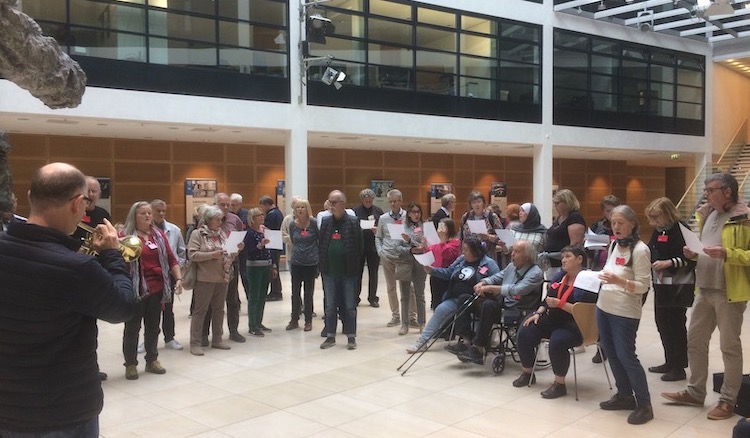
(142, 150)
(72, 148)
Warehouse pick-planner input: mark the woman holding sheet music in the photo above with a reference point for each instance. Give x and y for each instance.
(554, 321)
(213, 266)
(414, 282)
(481, 223)
(260, 269)
(674, 286)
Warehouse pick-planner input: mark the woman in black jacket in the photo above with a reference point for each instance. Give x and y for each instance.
(674, 285)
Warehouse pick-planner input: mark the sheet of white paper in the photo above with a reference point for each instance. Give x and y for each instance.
(588, 280)
(507, 236)
(275, 239)
(477, 226)
(396, 230)
(426, 259)
(430, 233)
(234, 239)
(367, 225)
(692, 241)
(595, 241)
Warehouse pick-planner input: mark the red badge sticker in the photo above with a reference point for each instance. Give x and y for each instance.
(398, 222)
(612, 238)
(304, 233)
(336, 236)
(620, 261)
(483, 270)
(662, 238)
(86, 219)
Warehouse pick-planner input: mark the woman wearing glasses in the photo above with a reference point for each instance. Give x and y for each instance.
(674, 286)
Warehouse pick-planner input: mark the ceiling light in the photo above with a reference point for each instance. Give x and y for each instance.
(646, 21)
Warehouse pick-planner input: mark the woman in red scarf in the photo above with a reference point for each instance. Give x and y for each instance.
(554, 321)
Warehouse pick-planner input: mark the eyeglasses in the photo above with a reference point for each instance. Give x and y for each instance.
(710, 190)
(86, 199)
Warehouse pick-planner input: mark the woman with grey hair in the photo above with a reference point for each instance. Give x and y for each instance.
(213, 269)
(151, 283)
(626, 277)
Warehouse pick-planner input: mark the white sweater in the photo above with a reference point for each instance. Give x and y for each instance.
(613, 298)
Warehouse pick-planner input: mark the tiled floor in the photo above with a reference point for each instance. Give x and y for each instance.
(284, 385)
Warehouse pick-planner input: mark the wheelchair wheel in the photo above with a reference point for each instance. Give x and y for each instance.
(498, 363)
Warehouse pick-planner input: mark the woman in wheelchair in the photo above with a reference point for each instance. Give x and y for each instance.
(553, 320)
(463, 274)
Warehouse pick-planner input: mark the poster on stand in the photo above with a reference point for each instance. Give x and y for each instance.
(499, 195)
(381, 188)
(105, 194)
(281, 195)
(437, 190)
(198, 191)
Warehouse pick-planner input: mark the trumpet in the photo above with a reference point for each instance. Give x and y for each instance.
(130, 246)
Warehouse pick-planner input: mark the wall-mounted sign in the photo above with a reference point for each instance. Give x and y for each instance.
(437, 190)
(381, 188)
(198, 191)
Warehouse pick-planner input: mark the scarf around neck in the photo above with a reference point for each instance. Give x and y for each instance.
(136, 273)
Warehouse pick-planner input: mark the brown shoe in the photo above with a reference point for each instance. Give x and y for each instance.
(308, 326)
(682, 398)
(722, 411)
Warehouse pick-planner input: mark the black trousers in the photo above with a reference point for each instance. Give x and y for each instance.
(373, 263)
(147, 310)
(275, 282)
(438, 287)
(670, 321)
(303, 275)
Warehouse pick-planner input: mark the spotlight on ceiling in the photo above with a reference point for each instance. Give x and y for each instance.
(719, 7)
(646, 21)
(318, 26)
(334, 77)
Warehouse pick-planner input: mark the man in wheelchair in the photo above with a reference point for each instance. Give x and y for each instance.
(467, 271)
(518, 286)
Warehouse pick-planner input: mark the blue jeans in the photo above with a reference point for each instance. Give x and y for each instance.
(443, 313)
(629, 375)
(341, 295)
(88, 429)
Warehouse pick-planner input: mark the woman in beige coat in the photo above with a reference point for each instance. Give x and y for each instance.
(213, 265)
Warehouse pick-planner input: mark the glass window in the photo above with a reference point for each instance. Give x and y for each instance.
(571, 79)
(181, 53)
(478, 45)
(390, 55)
(181, 26)
(196, 6)
(390, 31)
(431, 38)
(605, 47)
(259, 11)
(253, 61)
(571, 40)
(604, 84)
(663, 108)
(44, 10)
(689, 94)
(635, 53)
(662, 73)
(479, 67)
(575, 99)
(389, 77)
(692, 62)
(689, 77)
(107, 44)
(572, 60)
(521, 93)
(604, 64)
(634, 69)
(603, 102)
(662, 57)
(347, 24)
(519, 31)
(107, 16)
(390, 9)
(246, 35)
(436, 18)
(439, 83)
(516, 51)
(689, 111)
(341, 49)
(662, 91)
(479, 88)
(478, 25)
(514, 71)
(352, 5)
(435, 61)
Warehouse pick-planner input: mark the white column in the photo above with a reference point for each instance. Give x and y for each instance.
(295, 163)
(543, 180)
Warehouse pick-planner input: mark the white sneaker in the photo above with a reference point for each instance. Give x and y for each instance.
(141, 348)
(579, 349)
(173, 344)
(418, 345)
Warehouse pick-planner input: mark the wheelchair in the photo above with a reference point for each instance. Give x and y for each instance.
(503, 338)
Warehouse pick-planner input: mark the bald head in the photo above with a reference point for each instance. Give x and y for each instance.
(337, 199)
(54, 185)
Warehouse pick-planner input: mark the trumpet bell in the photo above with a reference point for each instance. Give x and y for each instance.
(130, 248)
